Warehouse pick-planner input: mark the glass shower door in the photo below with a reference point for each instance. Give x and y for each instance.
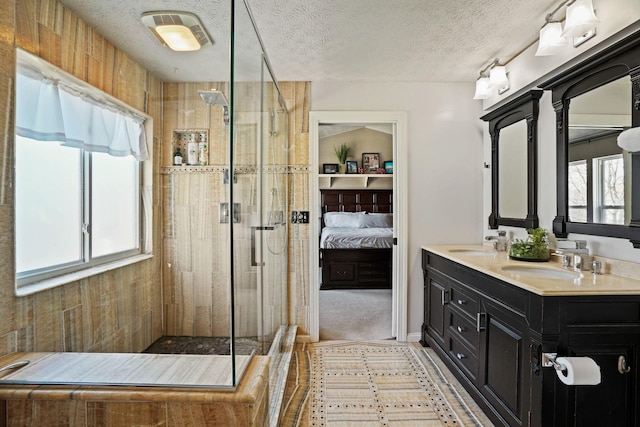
(259, 194)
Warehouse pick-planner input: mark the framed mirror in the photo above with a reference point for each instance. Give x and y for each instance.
(594, 102)
(514, 140)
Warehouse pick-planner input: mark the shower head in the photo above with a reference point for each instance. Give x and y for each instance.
(214, 97)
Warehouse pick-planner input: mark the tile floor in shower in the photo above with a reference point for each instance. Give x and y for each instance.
(207, 345)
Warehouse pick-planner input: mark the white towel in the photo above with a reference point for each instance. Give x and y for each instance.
(630, 140)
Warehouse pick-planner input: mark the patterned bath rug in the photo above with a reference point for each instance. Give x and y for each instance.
(378, 383)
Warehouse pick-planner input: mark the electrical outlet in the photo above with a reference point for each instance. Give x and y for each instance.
(299, 217)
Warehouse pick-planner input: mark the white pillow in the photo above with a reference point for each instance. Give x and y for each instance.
(376, 220)
(343, 219)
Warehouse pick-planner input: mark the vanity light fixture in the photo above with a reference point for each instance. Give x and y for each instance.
(551, 40)
(498, 77)
(497, 80)
(580, 18)
(179, 31)
(580, 23)
(483, 88)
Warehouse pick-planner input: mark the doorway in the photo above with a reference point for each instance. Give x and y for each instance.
(397, 121)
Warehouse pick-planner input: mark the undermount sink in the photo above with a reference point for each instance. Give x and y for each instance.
(472, 252)
(541, 272)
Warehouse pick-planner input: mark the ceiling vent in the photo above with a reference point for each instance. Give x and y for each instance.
(180, 31)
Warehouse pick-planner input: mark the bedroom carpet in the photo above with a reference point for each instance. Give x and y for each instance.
(355, 314)
(373, 383)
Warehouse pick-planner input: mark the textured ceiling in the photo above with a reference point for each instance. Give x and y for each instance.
(334, 40)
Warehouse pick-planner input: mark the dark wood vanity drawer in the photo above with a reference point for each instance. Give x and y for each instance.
(463, 357)
(464, 300)
(465, 330)
(510, 296)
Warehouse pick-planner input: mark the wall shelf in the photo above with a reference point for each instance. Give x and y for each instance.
(364, 179)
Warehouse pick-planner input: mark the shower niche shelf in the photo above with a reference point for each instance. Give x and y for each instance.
(354, 180)
(181, 138)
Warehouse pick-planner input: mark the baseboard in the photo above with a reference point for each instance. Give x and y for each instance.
(414, 336)
(411, 337)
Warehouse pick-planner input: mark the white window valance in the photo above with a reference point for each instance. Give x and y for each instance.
(50, 107)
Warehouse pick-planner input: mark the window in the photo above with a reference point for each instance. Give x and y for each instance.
(609, 172)
(578, 191)
(604, 182)
(78, 163)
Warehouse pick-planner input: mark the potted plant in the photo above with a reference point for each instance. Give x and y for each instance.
(342, 152)
(534, 248)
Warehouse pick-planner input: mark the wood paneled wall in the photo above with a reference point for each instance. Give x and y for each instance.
(118, 311)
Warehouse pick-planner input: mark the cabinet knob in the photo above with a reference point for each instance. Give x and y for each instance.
(461, 329)
(461, 356)
(461, 302)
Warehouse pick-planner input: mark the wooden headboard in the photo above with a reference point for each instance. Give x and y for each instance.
(357, 201)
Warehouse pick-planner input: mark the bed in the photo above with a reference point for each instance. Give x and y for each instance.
(356, 239)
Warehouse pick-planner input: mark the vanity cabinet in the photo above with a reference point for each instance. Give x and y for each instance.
(482, 337)
(492, 334)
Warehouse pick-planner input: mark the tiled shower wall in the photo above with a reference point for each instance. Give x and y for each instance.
(196, 255)
(297, 96)
(118, 311)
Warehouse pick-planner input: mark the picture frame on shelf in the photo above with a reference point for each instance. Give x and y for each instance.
(330, 168)
(388, 166)
(370, 162)
(352, 167)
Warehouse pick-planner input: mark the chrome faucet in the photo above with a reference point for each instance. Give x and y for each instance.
(500, 241)
(577, 257)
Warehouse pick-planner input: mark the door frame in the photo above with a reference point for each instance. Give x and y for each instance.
(400, 212)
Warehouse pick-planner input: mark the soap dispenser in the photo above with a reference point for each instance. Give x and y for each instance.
(502, 242)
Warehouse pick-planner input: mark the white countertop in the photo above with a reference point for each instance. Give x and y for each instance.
(492, 265)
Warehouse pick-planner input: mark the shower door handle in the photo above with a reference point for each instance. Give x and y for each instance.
(254, 263)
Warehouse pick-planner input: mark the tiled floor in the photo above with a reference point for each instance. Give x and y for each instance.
(299, 397)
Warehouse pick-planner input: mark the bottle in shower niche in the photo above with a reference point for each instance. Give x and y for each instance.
(177, 157)
(192, 151)
(203, 151)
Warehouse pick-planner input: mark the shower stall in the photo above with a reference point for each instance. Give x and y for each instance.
(225, 233)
